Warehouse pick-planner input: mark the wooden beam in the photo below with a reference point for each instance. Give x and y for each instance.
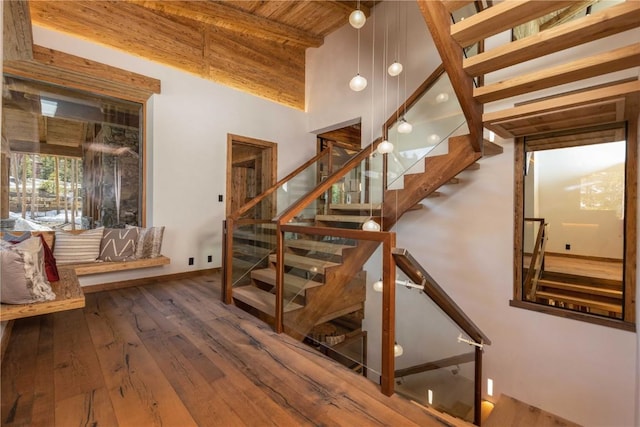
(502, 16)
(616, 19)
(227, 17)
(17, 35)
(437, 18)
(79, 73)
(584, 68)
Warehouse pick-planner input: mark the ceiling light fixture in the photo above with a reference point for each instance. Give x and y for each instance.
(370, 225)
(394, 69)
(398, 350)
(378, 285)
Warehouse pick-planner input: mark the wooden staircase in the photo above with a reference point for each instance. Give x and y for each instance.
(590, 106)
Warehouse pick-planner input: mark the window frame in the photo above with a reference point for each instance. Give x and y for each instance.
(630, 245)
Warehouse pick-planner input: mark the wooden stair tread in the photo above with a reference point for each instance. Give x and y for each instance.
(318, 246)
(511, 412)
(593, 290)
(617, 19)
(252, 250)
(304, 263)
(343, 218)
(256, 237)
(354, 207)
(500, 17)
(291, 282)
(261, 300)
(614, 308)
(491, 148)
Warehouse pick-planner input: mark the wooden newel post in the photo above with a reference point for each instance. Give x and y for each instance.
(388, 315)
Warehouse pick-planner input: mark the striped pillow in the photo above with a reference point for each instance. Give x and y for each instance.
(118, 244)
(72, 248)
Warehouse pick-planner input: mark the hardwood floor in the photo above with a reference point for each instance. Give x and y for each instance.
(172, 354)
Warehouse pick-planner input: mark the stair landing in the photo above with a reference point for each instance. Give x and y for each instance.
(510, 412)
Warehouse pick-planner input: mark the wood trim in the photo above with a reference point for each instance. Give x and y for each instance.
(518, 217)
(17, 33)
(122, 284)
(438, 20)
(608, 62)
(614, 20)
(575, 315)
(272, 152)
(74, 72)
(111, 267)
(631, 210)
(502, 16)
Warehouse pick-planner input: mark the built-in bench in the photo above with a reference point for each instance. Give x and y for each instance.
(69, 293)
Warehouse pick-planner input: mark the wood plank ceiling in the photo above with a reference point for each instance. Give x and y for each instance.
(254, 46)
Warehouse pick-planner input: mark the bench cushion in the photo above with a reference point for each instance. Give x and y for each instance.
(70, 248)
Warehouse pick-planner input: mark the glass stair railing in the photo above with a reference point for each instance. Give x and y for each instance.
(440, 364)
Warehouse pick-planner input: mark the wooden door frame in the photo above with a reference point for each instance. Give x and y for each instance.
(271, 158)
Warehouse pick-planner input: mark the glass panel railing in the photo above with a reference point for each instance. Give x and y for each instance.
(434, 369)
(349, 198)
(252, 245)
(251, 230)
(440, 360)
(434, 117)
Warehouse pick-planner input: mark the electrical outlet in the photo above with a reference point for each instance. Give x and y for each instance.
(209, 258)
(219, 197)
(190, 260)
(567, 247)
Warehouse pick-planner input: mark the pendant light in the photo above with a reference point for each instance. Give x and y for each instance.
(394, 69)
(385, 147)
(398, 350)
(357, 18)
(378, 285)
(405, 126)
(358, 83)
(370, 225)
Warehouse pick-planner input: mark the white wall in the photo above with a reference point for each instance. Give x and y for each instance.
(187, 139)
(584, 372)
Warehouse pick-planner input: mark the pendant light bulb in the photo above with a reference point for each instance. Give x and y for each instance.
(358, 83)
(404, 126)
(394, 69)
(378, 285)
(385, 147)
(357, 19)
(371, 225)
(398, 350)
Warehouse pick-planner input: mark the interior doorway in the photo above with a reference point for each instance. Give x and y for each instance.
(251, 169)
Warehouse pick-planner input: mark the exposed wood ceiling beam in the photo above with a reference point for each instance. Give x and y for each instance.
(349, 6)
(503, 16)
(218, 15)
(17, 34)
(79, 73)
(608, 62)
(616, 19)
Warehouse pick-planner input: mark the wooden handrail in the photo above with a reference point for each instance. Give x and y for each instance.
(294, 209)
(416, 273)
(236, 215)
(535, 266)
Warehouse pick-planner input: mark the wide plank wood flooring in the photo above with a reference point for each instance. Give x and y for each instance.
(171, 354)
